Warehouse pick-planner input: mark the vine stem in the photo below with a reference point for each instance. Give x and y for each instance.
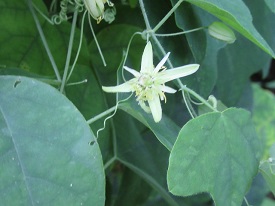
(79, 47)
(44, 41)
(99, 116)
(198, 97)
(167, 16)
(96, 42)
(69, 53)
(110, 161)
(180, 33)
(148, 27)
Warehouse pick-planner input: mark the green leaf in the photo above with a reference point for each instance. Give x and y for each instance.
(232, 13)
(186, 19)
(133, 190)
(236, 63)
(264, 117)
(268, 202)
(216, 153)
(166, 130)
(21, 44)
(271, 5)
(45, 153)
(263, 20)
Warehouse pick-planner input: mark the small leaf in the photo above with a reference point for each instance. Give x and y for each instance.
(44, 148)
(216, 153)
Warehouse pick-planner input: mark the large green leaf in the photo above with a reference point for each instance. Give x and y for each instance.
(216, 153)
(45, 154)
(232, 13)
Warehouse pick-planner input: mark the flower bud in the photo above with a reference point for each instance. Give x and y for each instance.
(96, 8)
(222, 32)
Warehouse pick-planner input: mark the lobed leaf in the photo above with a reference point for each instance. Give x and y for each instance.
(216, 153)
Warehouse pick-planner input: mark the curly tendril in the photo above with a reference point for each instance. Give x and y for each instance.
(67, 6)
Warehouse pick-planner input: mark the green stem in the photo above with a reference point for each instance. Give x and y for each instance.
(189, 106)
(246, 202)
(110, 161)
(69, 53)
(99, 116)
(96, 42)
(198, 97)
(148, 27)
(180, 33)
(44, 41)
(167, 16)
(79, 47)
(42, 14)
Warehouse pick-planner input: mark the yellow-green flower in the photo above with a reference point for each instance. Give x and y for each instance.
(149, 83)
(96, 8)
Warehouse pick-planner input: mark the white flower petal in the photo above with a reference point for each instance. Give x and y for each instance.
(125, 87)
(175, 73)
(95, 7)
(167, 89)
(147, 65)
(132, 71)
(144, 106)
(100, 4)
(161, 63)
(155, 107)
